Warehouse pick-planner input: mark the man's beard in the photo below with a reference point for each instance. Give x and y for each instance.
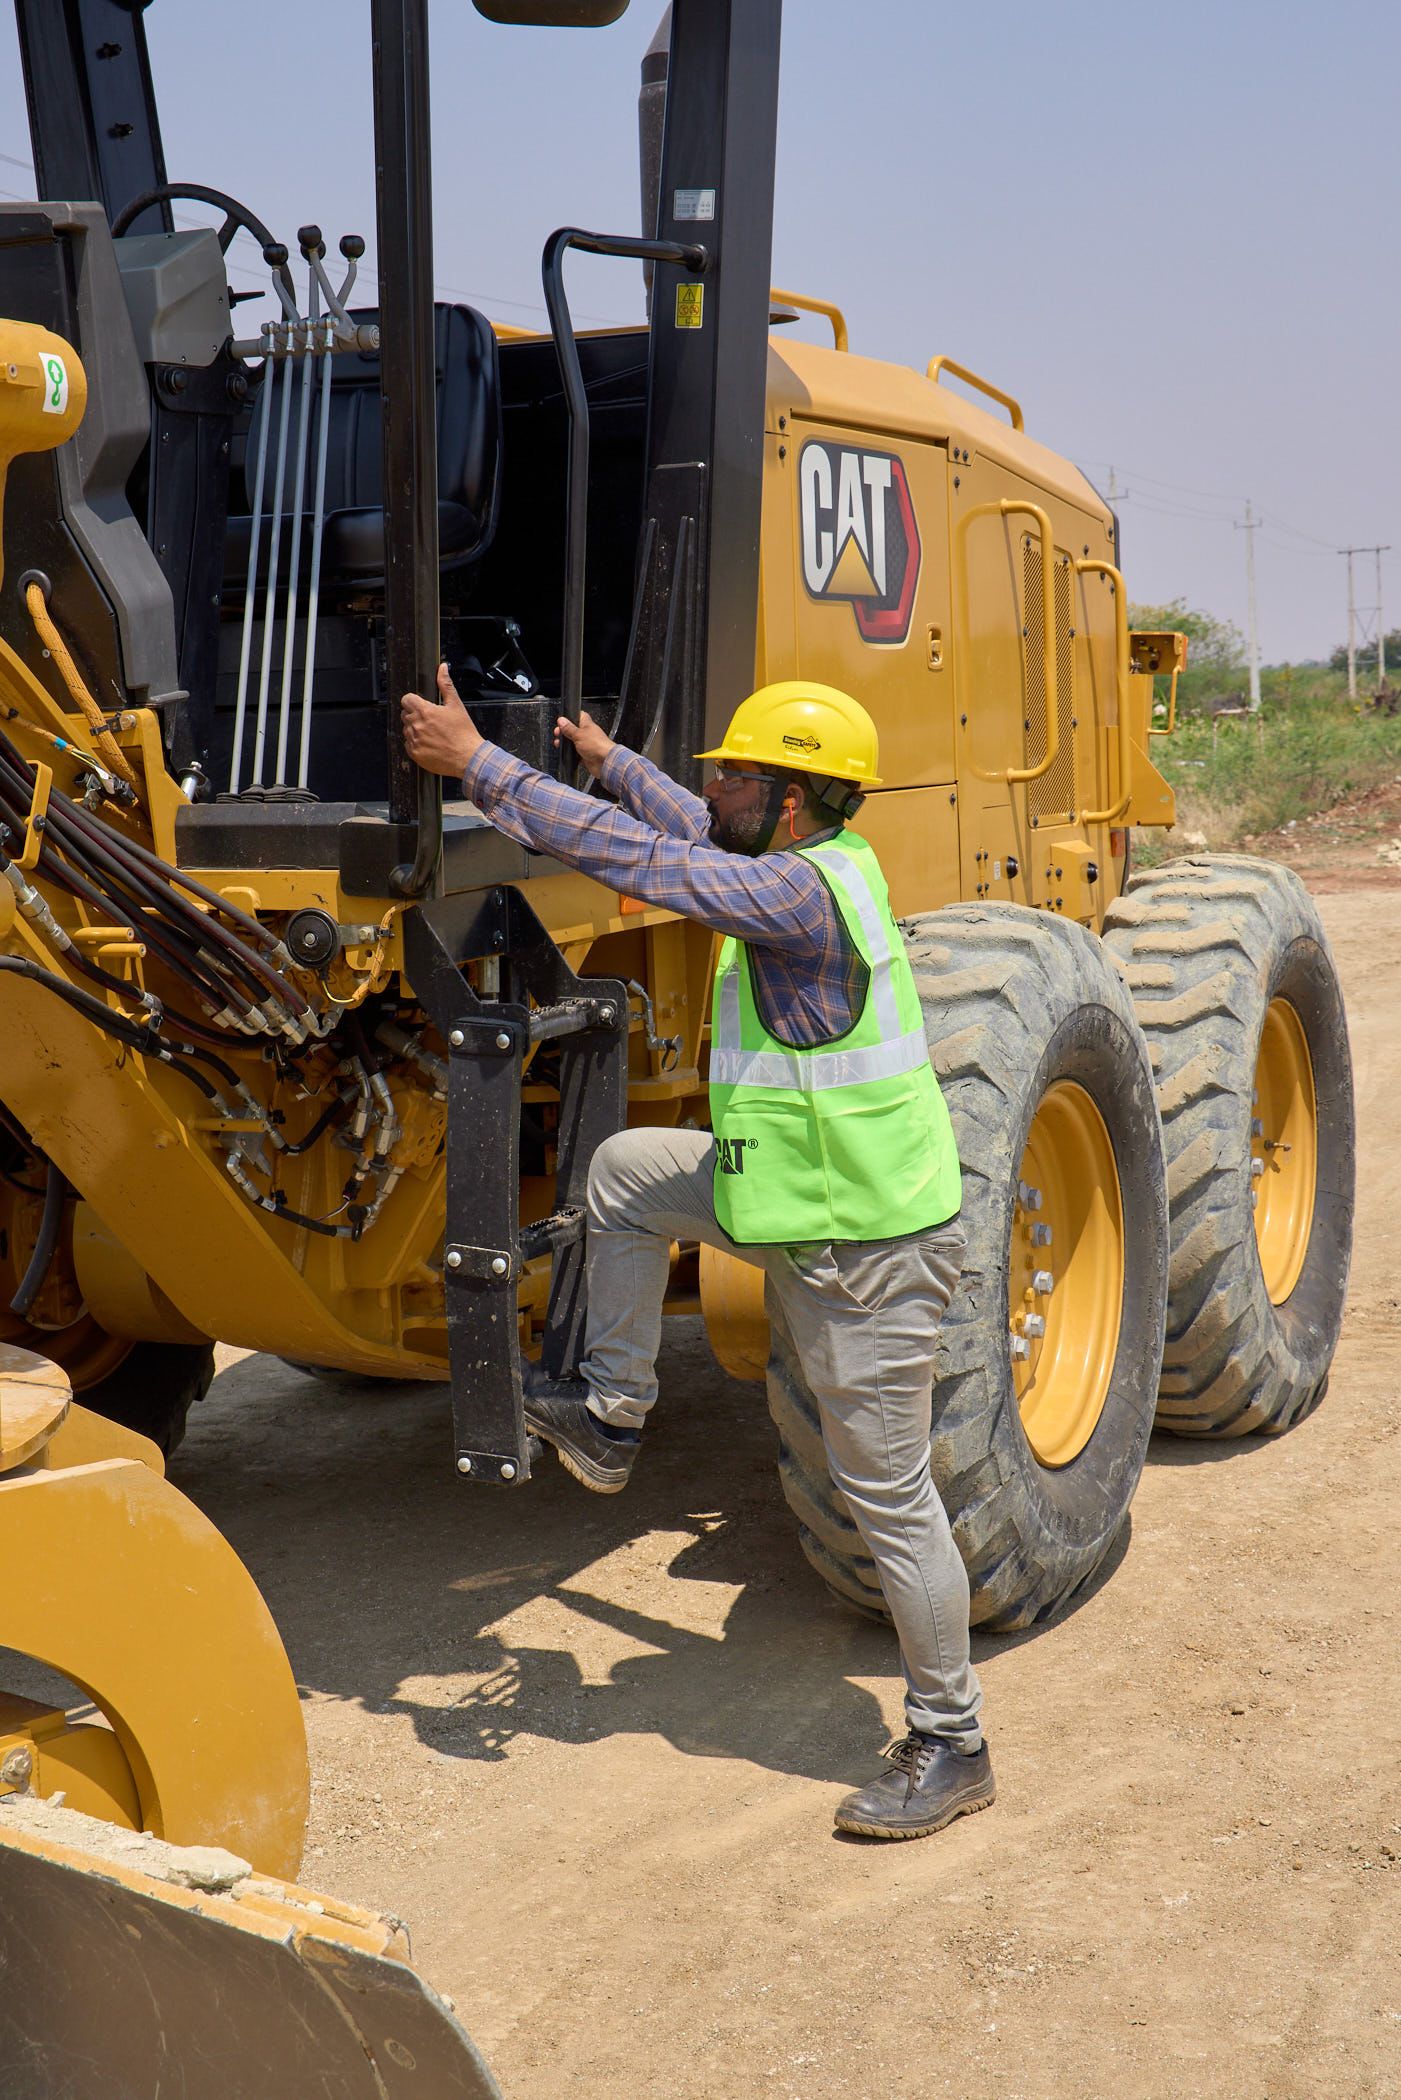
(750, 831)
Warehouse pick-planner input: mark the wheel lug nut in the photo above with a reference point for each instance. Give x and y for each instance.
(1043, 1282)
(1018, 1348)
(1034, 1326)
(1257, 1127)
(1040, 1235)
(1028, 1197)
(1257, 1168)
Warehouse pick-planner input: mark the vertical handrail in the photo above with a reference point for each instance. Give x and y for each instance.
(1122, 673)
(1007, 506)
(688, 256)
(1171, 722)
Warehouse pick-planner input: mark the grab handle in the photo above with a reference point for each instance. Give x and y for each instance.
(1112, 814)
(816, 306)
(939, 365)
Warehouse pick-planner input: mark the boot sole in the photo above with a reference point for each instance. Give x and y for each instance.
(586, 1476)
(595, 1481)
(887, 1830)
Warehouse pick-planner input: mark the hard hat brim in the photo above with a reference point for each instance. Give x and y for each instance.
(788, 764)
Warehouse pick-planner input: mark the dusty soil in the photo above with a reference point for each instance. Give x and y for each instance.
(589, 1748)
(1354, 845)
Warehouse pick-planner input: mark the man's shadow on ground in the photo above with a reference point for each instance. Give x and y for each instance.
(390, 1580)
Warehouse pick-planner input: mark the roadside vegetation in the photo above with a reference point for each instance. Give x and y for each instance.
(1239, 776)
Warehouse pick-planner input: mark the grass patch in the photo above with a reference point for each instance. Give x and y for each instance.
(1307, 749)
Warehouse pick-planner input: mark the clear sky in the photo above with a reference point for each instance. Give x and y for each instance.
(1170, 232)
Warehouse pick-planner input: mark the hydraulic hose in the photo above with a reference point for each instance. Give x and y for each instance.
(104, 853)
(55, 1189)
(68, 671)
(155, 880)
(125, 1031)
(151, 875)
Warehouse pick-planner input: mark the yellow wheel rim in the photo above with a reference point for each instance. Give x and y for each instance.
(1283, 1149)
(1066, 1274)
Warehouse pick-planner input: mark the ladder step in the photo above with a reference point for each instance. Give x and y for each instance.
(572, 1017)
(563, 1228)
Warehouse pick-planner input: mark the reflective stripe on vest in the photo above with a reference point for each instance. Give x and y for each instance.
(809, 1071)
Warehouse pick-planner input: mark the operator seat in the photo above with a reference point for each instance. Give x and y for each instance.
(469, 462)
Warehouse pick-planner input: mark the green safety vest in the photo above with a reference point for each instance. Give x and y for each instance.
(849, 1140)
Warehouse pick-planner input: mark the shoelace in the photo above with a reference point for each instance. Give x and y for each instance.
(913, 1756)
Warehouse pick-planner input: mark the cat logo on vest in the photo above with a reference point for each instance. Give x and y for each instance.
(860, 539)
(732, 1151)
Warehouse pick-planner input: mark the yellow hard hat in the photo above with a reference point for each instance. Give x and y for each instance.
(806, 728)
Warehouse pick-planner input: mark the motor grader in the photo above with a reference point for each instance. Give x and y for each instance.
(301, 1056)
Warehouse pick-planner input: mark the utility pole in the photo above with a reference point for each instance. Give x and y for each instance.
(1351, 626)
(1353, 623)
(1249, 529)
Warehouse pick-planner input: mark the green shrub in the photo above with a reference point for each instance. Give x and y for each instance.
(1237, 777)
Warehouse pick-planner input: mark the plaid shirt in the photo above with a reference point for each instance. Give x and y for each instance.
(809, 981)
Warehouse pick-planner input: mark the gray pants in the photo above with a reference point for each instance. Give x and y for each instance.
(864, 1320)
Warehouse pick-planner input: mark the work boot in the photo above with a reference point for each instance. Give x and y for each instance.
(557, 1409)
(931, 1784)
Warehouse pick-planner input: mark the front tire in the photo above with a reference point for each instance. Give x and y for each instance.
(1036, 1456)
(153, 1389)
(1236, 989)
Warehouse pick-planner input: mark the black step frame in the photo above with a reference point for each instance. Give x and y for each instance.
(485, 1246)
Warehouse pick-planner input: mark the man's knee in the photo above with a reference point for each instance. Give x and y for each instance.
(626, 1170)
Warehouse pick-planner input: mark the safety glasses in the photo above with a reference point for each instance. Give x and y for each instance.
(725, 774)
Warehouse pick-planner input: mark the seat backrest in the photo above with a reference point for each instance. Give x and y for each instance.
(469, 421)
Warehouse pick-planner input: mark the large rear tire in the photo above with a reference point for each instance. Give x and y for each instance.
(153, 1389)
(1237, 992)
(1036, 1456)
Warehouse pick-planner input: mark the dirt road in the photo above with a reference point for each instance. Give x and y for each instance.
(589, 1748)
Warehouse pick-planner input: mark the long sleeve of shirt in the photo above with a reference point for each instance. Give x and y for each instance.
(809, 979)
(648, 793)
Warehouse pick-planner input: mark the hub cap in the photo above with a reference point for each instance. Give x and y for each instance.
(1065, 1274)
(1283, 1149)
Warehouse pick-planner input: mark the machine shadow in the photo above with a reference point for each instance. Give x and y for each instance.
(392, 1582)
(1166, 1449)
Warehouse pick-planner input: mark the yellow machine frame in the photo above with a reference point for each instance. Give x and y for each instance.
(1014, 771)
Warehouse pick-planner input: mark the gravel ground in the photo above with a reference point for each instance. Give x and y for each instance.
(589, 1748)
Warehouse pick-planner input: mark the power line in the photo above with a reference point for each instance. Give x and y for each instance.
(1212, 496)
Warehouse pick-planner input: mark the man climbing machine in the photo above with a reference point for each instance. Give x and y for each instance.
(831, 1162)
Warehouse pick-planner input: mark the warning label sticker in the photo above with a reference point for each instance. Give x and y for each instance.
(693, 204)
(690, 305)
(56, 388)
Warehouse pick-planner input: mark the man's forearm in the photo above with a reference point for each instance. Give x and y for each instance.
(778, 899)
(649, 793)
